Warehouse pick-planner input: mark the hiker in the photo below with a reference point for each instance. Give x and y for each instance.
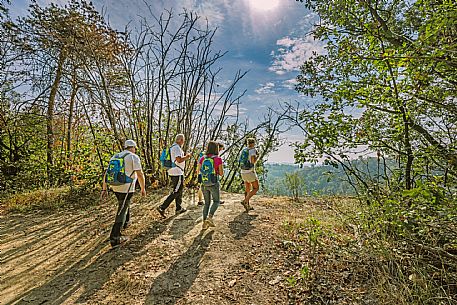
(221, 148)
(210, 167)
(248, 158)
(176, 173)
(200, 192)
(199, 185)
(123, 171)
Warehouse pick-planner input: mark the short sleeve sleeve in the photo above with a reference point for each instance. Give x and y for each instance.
(218, 161)
(176, 151)
(136, 163)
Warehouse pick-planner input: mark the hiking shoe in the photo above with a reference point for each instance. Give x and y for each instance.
(205, 225)
(200, 203)
(210, 222)
(119, 241)
(180, 211)
(161, 212)
(221, 202)
(245, 205)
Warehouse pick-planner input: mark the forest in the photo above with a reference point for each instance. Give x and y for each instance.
(366, 215)
(73, 89)
(317, 180)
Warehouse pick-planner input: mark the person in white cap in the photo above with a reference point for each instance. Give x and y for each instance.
(124, 192)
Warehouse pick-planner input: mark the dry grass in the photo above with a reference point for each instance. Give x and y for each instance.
(337, 257)
(48, 199)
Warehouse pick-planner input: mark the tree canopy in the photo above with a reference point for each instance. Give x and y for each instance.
(387, 84)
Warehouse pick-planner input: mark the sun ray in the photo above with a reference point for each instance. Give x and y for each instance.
(263, 5)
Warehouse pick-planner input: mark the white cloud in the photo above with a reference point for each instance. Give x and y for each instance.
(293, 52)
(207, 10)
(232, 111)
(290, 83)
(211, 12)
(265, 88)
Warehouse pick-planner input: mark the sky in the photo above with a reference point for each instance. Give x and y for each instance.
(266, 37)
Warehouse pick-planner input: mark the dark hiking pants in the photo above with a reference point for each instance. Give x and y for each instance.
(177, 183)
(122, 216)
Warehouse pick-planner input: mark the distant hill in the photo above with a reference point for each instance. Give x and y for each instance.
(318, 179)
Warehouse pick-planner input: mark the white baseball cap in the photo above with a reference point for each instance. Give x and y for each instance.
(130, 143)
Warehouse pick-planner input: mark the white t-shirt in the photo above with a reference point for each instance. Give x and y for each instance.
(178, 170)
(132, 163)
(252, 152)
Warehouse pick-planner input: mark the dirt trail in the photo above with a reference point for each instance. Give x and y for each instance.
(65, 258)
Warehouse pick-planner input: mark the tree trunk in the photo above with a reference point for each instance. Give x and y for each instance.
(50, 115)
(70, 116)
(409, 150)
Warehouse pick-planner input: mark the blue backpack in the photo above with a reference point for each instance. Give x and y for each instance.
(115, 174)
(244, 161)
(208, 174)
(165, 158)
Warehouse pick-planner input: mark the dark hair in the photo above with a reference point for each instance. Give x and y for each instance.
(213, 148)
(250, 141)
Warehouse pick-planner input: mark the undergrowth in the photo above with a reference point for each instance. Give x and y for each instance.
(400, 251)
(49, 199)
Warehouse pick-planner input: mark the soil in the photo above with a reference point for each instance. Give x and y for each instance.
(65, 257)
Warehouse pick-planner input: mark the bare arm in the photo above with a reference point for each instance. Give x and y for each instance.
(104, 193)
(182, 159)
(141, 181)
(220, 170)
(253, 159)
(104, 185)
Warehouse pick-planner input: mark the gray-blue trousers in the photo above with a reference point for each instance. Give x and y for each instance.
(211, 192)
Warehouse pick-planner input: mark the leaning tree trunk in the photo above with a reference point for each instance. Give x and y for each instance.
(74, 90)
(50, 115)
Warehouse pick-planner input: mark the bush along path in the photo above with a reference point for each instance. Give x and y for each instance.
(280, 253)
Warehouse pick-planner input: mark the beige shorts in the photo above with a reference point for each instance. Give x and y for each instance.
(249, 177)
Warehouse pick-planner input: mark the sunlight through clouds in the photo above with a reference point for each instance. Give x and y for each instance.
(247, 29)
(263, 5)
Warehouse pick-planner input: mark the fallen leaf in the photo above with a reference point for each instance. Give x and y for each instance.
(275, 281)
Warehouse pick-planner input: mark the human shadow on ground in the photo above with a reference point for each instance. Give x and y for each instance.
(29, 237)
(170, 286)
(185, 223)
(241, 225)
(91, 276)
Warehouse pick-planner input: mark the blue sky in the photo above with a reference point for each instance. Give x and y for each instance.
(267, 37)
